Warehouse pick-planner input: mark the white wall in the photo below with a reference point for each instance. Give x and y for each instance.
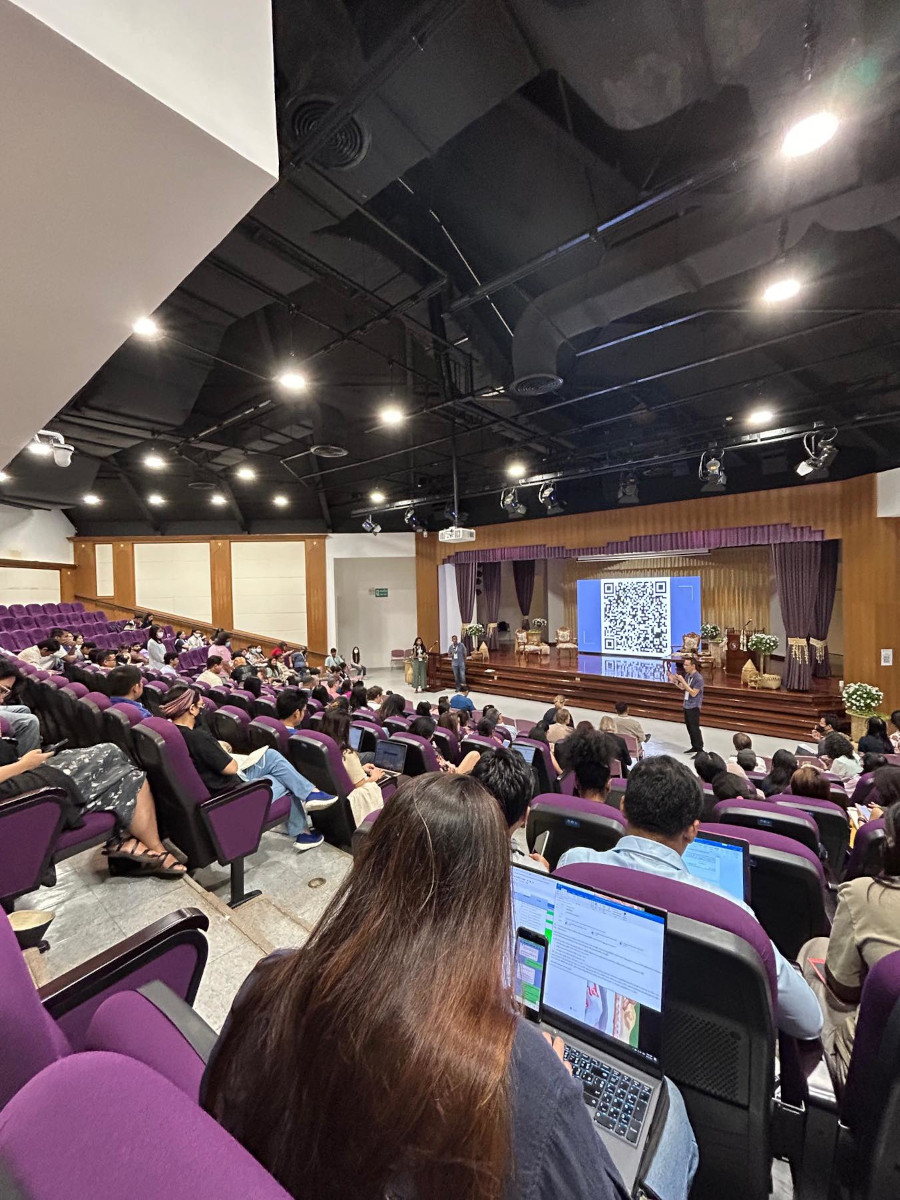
(39, 534)
(377, 626)
(448, 604)
(105, 579)
(362, 546)
(268, 585)
(27, 585)
(555, 605)
(173, 577)
(887, 492)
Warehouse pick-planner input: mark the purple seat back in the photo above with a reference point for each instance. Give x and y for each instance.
(448, 744)
(868, 850)
(177, 759)
(336, 780)
(572, 821)
(763, 814)
(477, 741)
(29, 827)
(275, 727)
(876, 1053)
(421, 756)
(78, 1128)
(543, 764)
(98, 698)
(76, 689)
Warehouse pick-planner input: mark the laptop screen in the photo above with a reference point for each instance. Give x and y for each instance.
(390, 756)
(724, 861)
(604, 970)
(527, 752)
(355, 737)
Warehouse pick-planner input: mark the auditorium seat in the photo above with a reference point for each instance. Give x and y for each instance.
(546, 779)
(119, 721)
(572, 821)
(761, 814)
(396, 724)
(264, 706)
(718, 1025)
(317, 758)
(232, 725)
(362, 831)
(225, 827)
(447, 744)
(478, 742)
(867, 855)
(267, 731)
(371, 734)
(787, 887)
(421, 756)
(832, 821)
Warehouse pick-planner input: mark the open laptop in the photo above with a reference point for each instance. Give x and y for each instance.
(390, 757)
(526, 752)
(355, 737)
(722, 860)
(603, 987)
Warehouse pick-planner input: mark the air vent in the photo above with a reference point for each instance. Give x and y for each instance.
(347, 146)
(329, 451)
(202, 485)
(535, 385)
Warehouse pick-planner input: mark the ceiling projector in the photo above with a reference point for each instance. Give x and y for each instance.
(456, 533)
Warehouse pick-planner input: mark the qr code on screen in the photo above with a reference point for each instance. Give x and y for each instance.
(636, 616)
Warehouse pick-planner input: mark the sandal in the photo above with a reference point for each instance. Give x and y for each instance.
(175, 871)
(130, 862)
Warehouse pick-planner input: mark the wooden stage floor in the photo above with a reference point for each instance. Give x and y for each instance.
(597, 682)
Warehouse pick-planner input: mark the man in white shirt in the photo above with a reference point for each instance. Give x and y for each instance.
(662, 806)
(628, 724)
(216, 671)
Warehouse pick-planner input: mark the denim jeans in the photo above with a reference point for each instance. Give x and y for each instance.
(23, 726)
(674, 1165)
(459, 673)
(285, 782)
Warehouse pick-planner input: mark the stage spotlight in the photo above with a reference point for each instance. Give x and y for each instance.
(550, 500)
(46, 443)
(156, 499)
(245, 472)
(628, 490)
(820, 454)
(369, 526)
(509, 502)
(411, 520)
(760, 416)
(280, 501)
(154, 461)
(217, 499)
(712, 473)
(392, 415)
(810, 134)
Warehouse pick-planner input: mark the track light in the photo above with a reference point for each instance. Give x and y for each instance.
(517, 470)
(291, 380)
(46, 443)
(810, 134)
(217, 499)
(628, 490)
(5, 477)
(411, 520)
(820, 454)
(760, 416)
(547, 495)
(370, 527)
(280, 501)
(91, 498)
(146, 327)
(509, 502)
(712, 473)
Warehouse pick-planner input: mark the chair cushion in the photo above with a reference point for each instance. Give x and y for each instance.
(96, 825)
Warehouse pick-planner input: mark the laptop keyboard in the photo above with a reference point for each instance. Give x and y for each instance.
(618, 1101)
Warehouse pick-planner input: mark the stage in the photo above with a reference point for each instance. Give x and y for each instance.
(598, 681)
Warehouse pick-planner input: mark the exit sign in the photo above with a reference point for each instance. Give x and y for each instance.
(381, 593)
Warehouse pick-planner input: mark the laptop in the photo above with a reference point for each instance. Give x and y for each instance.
(390, 757)
(722, 860)
(355, 737)
(603, 987)
(526, 752)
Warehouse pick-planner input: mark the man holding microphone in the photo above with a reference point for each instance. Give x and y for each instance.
(691, 683)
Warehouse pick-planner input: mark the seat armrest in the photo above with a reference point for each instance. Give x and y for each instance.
(820, 1088)
(235, 820)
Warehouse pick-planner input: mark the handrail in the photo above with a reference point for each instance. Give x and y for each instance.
(266, 642)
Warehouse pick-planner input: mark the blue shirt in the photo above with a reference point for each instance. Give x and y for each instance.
(799, 1014)
(142, 709)
(694, 681)
(463, 702)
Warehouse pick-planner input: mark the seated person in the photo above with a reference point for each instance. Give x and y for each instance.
(105, 658)
(507, 776)
(196, 640)
(559, 701)
(321, 695)
(561, 728)
(875, 740)
(367, 795)
(778, 780)
(290, 705)
(423, 709)
(255, 656)
(359, 697)
(588, 755)
(276, 671)
(374, 698)
(866, 927)
(66, 641)
(728, 786)
(424, 727)
(443, 704)
(662, 805)
(136, 654)
(461, 702)
(623, 754)
(334, 662)
(45, 654)
(125, 685)
(743, 745)
(449, 721)
(240, 669)
(170, 664)
(219, 770)
(485, 728)
(253, 685)
(895, 736)
(538, 733)
(23, 724)
(380, 1006)
(216, 671)
(840, 759)
(630, 725)
(809, 781)
(179, 640)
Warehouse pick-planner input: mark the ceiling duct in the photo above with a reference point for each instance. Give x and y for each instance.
(346, 147)
(329, 432)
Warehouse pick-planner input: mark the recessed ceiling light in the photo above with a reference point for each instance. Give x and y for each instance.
(781, 289)
(146, 327)
(292, 381)
(392, 415)
(91, 498)
(517, 470)
(810, 134)
(154, 461)
(760, 416)
(156, 499)
(280, 501)
(218, 499)
(5, 476)
(377, 497)
(245, 472)
(41, 449)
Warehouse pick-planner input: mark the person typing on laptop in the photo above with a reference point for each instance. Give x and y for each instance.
(662, 806)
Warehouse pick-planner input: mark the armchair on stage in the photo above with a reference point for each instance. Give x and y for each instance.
(565, 641)
(530, 642)
(690, 644)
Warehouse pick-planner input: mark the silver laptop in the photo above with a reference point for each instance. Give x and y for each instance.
(602, 992)
(724, 861)
(526, 752)
(390, 757)
(355, 737)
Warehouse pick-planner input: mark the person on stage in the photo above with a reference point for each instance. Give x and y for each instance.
(419, 665)
(691, 683)
(457, 653)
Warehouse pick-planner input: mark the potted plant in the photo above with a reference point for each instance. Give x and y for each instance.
(762, 644)
(710, 633)
(861, 700)
(474, 630)
(538, 623)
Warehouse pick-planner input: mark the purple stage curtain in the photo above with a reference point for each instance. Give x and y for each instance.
(821, 619)
(796, 567)
(490, 589)
(523, 576)
(465, 594)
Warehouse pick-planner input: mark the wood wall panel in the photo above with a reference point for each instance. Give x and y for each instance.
(220, 583)
(316, 596)
(123, 572)
(427, 607)
(85, 567)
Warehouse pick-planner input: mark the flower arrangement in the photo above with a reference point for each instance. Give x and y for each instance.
(763, 643)
(475, 630)
(861, 699)
(538, 623)
(710, 633)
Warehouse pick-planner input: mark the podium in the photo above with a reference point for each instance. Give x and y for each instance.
(735, 657)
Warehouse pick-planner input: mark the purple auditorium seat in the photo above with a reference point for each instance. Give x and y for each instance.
(242, 699)
(762, 814)
(446, 742)
(4, 611)
(546, 779)
(421, 756)
(232, 725)
(371, 733)
(91, 707)
(362, 831)
(568, 784)
(313, 705)
(317, 757)
(119, 721)
(832, 822)
(220, 694)
(268, 731)
(787, 886)
(396, 724)
(476, 741)
(35, 610)
(264, 706)
(314, 720)
(79, 1129)
(40, 1027)
(17, 610)
(718, 1024)
(572, 821)
(225, 827)
(867, 855)
(154, 693)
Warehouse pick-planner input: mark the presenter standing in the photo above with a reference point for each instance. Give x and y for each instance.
(691, 683)
(457, 654)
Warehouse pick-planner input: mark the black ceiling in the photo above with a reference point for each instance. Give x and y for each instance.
(428, 148)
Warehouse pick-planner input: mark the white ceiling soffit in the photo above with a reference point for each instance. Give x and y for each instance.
(111, 194)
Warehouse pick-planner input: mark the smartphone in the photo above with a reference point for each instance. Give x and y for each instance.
(864, 811)
(56, 746)
(540, 844)
(530, 961)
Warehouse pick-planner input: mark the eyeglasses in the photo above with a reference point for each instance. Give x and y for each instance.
(4, 690)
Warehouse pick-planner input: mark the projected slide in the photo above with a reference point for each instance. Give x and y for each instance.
(642, 618)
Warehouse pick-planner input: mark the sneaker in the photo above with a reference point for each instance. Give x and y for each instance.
(307, 841)
(316, 801)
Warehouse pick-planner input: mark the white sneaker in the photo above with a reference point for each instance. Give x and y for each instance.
(316, 801)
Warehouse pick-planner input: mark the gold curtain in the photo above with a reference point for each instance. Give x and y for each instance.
(734, 584)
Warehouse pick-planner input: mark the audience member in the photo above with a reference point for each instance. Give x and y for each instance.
(508, 778)
(747, 761)
(423, 709)
(610, 727)
(742, 746)
(449, 721)
(875, 740)
(393, 706)
(778, 780)
(156, 648)
(170, 665)
(374, 697)
(460, 700)
(561, 728)
(809, 781)
(895, 736)
(221, 646)
(538, 733)
(239, 668)
(838, 755)
(217, 768)
(728, 786)
(866, 927)
(136, 654)
(275, 669)
(485, 728)
(299, 665)
(179, 641)
(290, 707)
(146, 621)
(443, 704)
(253, 684)
(196, 640)
(366, 795)
(708, 765)
(828, 722)
(216, 671)
(424, 727)
(662, 805)
(453, 1094)
(105, 659)
(587, 755)
(125, 685)
(24, 726)
(359, 697)
(549, 716)
(45, 654)
(629, 725)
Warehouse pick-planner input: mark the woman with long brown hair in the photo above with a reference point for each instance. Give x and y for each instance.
(385, 1058)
